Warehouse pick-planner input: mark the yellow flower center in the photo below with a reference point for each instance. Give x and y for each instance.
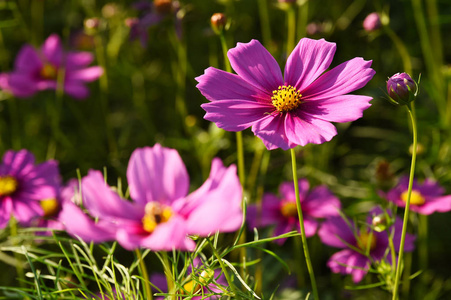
(415, 198)
(289, 209)
(155, 214)
(286, 98)
(50, 207)
(48, 71)
(366, 241)
(8, 185)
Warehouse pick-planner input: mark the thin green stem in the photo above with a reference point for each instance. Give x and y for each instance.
(227, 66)
(302, 20)
(423, 241)
(402, 50)
(142, 267)
(291, 28)
(301, 226)
(167, 267)
(223, 267)
(265, 23)
(19, 267)
(411, 111)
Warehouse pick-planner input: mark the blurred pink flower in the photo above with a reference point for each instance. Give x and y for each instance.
(282, 212)
(38, 70)
(290, 110)
(23, 184)
(340, 233)
(161, 214)
(372, 22)
(426, 197)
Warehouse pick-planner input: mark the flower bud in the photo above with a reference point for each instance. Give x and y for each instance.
(380, 222)
(372, 22)
(401, 89)
(163, 6)
(218, 22)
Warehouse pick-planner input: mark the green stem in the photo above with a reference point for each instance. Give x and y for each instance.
(142, 267)
(264, 23)
(411, 111)
(223, 267)
(291, 29)
(302, 20)
(301, 226)
(423, 241)
(169, 278)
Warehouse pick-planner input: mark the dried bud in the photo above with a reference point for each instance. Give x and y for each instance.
(130, 22)
(383, 175)
(401, 89)
(372, 22)
(163, 6)
(218, 21)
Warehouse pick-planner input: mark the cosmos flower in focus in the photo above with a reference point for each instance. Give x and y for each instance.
(281, 211)
(426, 197)
(23, 186)
(361, 246)
(290, 110)
(39, 69)
(161, 213)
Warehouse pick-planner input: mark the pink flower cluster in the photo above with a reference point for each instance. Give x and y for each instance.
(43, 69)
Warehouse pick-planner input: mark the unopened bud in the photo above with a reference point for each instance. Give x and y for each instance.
(91, 25)
(206, 276)
(379, 222)
(372, 22)
(218, 21)
(401, 89)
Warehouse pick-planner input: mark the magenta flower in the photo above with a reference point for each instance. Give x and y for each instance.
(23, 186)
(426, 197)
(295, 109)
(355, 242)
(161, 214)
(38, 70)
(372, 22)
(282, 212)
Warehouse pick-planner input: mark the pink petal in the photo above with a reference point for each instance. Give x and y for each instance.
(157, 174)
(17, 163)
(27, 60)
(235, 115)
(345, 108)
(21, 85)
(252, 62)
(80, 225)
(349, 262)
(169, 236)
(303, 129)
(86, 75)
(270, 212)
(321, 203)
(343, 79)
(75, 60)
(76, 89)
(439, 204)
(335, 231)
(25, 210)
(286, 190)
(308, 60)
(103, 202)
(271, 131)
(6, 208)
(216, 84)
(53, 50)
(218, 207)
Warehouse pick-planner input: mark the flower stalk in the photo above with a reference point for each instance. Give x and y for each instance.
(411, 111)
(301, 226)
(142, 267)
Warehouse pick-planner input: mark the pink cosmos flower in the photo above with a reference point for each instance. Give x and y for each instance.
(161, 213)
(426, 197)
(37, 70)
(23, 186)
(282, 212)
(340, 233)
(285, 111)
